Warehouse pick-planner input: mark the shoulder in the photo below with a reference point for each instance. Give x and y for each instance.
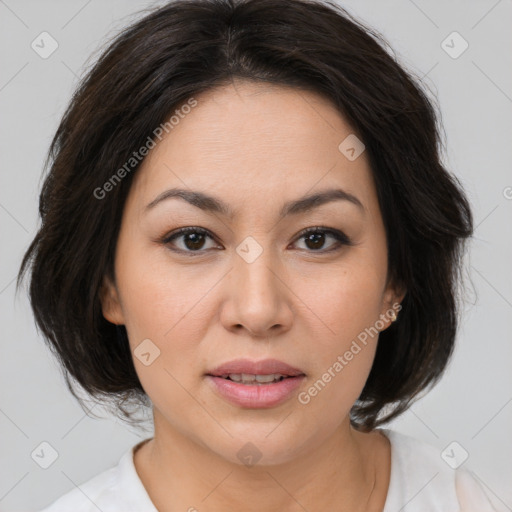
(116, 488)
(421, 480)
(91, 495)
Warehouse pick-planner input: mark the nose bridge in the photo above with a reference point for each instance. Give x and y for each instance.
(256, 267)
(259, 301)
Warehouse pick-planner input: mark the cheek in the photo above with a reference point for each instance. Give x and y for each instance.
(172, 306)
(341, 359)
(162, 303)
(159, 297)
(345, 298)
(345, 304)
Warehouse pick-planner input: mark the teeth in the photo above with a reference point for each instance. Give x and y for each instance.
(247, 378)
(267, 378)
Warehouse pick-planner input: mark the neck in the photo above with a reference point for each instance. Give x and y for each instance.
(181, 474)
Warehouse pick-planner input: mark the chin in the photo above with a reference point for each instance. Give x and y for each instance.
(268, 443)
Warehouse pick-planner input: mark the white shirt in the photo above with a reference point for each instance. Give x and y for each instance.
(420, 481)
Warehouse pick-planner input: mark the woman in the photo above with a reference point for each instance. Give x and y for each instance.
(247, 227)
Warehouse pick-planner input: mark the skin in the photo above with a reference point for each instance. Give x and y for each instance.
(254, 146)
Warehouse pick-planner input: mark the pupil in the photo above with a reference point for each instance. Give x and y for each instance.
(194, 240)
(315, 238)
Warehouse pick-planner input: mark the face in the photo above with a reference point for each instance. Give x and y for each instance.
(246, 282)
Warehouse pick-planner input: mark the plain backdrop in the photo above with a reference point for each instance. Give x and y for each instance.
(472, 405)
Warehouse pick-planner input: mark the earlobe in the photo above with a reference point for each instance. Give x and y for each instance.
(110, 304)
(393, 298)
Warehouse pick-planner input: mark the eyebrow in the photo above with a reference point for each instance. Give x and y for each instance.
(304, 204)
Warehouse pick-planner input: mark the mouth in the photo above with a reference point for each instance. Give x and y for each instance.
(262, 371)
(260, 384)
(249, 379)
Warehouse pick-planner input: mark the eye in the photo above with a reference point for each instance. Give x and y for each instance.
(193, 239)
(315, 239)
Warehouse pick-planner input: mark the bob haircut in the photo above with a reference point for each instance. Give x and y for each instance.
(154, 67)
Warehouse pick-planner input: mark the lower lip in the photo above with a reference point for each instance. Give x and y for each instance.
(256, 396)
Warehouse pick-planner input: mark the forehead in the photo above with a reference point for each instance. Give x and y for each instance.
(250, 138)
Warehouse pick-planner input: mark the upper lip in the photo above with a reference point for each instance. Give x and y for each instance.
(263, 367)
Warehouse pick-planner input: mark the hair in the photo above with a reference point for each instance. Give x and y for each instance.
(190, 46)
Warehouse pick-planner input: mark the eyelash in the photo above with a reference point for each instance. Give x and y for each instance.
(339, 236)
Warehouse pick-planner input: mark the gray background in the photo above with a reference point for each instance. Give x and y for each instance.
(471, 405)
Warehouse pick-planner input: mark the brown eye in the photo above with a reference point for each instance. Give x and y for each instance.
(192, 239)
(315, 239)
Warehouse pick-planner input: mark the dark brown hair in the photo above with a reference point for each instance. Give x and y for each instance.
(190, 46)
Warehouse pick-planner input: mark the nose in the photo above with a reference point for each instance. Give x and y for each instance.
(257, 298)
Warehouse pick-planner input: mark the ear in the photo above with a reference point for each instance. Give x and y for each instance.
(110, 304)
(391, 303)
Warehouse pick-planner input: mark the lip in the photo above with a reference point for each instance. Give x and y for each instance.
(256, 396)
(263, 367)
